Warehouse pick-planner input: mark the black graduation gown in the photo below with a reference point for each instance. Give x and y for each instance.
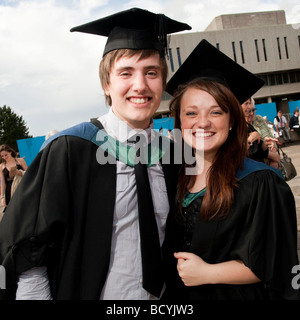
(260, 230)
(61, 216)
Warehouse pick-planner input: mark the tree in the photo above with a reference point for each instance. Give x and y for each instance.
(12, 128)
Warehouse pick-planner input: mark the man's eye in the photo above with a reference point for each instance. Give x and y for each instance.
(125, 74)
(152, 74)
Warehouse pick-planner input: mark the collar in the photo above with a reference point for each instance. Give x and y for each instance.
(249, 166)
(120, 141)
(121, 131)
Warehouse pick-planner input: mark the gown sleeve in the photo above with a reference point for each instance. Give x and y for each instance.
(35, 218)
(268, 239)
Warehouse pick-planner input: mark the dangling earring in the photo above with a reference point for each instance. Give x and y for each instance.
(230, 129)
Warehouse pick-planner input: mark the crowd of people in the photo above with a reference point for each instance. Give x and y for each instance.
(126, 224)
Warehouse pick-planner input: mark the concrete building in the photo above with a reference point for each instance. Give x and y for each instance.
(261, 42)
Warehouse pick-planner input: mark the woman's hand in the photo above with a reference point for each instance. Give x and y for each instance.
(3, 202)
(19, 172)
(192, 270)
(270, 142)
(253, 136)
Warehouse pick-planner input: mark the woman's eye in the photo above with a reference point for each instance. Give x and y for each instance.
(217, 112)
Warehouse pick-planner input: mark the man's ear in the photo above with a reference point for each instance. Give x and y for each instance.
(106, 91)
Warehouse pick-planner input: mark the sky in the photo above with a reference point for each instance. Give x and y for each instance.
(49, 76)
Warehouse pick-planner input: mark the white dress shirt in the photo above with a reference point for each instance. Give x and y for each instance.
(124, 278)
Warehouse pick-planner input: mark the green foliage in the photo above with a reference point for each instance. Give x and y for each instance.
(12, 128)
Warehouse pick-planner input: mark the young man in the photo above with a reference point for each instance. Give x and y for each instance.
(282, 126)
(294, 120)
(76, 226)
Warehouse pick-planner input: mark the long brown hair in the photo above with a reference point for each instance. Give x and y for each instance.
(221, 180)
(5, 147)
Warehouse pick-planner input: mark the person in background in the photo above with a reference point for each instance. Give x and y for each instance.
(170, 134)
(2, 208)
(94, 206)
(263, 145)
(51, 133)
(297, 108)
(282, 126)
(235, 237)
(271, 128)
(294, 120)
(12, 170)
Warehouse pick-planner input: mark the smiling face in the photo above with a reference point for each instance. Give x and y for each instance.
(249, 110)
(135, 88)
(208, 124)
(5, 155)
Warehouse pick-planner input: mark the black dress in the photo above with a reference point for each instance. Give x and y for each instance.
(260, 230)
(8, 182)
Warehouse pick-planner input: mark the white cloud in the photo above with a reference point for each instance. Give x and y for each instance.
(292, 10)
(87, 6)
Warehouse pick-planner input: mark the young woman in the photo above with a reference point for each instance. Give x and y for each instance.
(236, 234)
(12, 170)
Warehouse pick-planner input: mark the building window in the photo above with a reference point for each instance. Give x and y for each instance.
(265, 50)
(264, 77)
(274, 79)
(242, 51)
(299, 41)
(233, 50)
(256, 48)
(171, 60)
(178, 56)
(279, 50)
(293, 77)
(278, 78)
(286, 48)
(285, 77)
(218, 44)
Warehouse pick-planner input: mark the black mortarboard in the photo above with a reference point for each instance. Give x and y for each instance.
(207, 62)
(134, 29)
